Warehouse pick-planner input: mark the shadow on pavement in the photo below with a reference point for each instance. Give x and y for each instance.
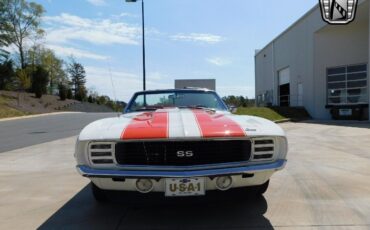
(228, 210)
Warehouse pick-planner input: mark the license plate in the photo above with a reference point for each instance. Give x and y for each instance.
(185, 187)
(345, 112)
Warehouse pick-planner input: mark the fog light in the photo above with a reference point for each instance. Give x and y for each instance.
(223, 183)
(144, 185)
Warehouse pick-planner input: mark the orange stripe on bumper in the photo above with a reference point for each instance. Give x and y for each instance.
(147, 126)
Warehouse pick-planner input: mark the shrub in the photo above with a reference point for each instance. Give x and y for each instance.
(7, 75)
(81, 94)
(40, 79)
(69, 94)
(23, 79)
(90, 99)
(62, 92)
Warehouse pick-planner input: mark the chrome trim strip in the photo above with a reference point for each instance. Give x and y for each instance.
(183, 168)
(185, 139)
(87, 171)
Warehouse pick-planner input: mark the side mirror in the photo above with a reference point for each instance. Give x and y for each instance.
(233, 109)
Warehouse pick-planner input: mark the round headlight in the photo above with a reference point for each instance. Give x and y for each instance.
(144, 185)
(224, 182)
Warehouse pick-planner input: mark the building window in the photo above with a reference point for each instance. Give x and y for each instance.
(347, 85)
(261, 100)
(265, 99)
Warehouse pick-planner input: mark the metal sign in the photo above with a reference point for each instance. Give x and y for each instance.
(338, 12)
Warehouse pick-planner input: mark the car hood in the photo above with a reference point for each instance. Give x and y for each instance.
(179, 124)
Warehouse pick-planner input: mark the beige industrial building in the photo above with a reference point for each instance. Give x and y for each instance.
(321, 67)
(195, 83)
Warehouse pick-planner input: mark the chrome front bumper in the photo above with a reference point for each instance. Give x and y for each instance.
(87, 171)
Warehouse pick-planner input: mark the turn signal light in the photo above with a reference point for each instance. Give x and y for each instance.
(144, 185)
(224, 183)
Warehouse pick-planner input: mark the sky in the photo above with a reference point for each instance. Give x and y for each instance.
(185, 39)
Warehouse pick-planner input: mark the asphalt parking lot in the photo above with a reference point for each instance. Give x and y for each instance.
(326, 185)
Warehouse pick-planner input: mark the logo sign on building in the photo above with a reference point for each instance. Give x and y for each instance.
(338, 12)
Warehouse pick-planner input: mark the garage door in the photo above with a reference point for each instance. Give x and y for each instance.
(284, 87)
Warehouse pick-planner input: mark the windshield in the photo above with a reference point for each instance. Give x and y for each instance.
(180, 99)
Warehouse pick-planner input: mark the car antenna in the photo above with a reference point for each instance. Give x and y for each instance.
(111, 81)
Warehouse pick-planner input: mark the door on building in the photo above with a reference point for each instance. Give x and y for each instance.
(284, 87)
(300, 94)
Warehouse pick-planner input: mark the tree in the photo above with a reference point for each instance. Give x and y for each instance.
(81, 94)
(23, 82)
(242, 101)
(69, 93)
(40, 79)
(54, 66)
(93, 95)
(4, 55)
(20, 21)
(23, 79)
(4, 39)
(239, 101)
(78, 79)
(7, 74)
(62, 92)
(90, 99)
(39, 55)
(102, 100)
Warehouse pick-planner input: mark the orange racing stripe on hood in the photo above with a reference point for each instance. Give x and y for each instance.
(149, 125)
(214, 125)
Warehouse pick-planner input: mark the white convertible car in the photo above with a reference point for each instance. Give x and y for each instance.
(180, 143)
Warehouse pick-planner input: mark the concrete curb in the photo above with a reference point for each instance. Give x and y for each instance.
(35, 115)
(283, 121)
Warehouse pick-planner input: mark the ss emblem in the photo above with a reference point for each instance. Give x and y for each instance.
(183, 154)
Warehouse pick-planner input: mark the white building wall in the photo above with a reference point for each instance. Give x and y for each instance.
(337, 46)
(196, 83)
(308, 47)
(293, 49)
(264, 71)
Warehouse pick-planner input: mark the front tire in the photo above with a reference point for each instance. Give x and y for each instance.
(99, 194)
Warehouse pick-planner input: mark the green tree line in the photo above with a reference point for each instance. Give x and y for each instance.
(239, 101)
(33, 67)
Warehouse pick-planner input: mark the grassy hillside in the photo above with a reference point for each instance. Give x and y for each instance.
(6, 111)
(30, 104)
(276, 113)
(27, 104)
(260, 112)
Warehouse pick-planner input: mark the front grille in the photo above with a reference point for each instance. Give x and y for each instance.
(182, 153)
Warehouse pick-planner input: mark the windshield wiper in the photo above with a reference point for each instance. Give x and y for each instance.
(197, 107)
(151, 108)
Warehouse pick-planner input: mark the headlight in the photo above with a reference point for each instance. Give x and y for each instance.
(282, 147)
(80, 152)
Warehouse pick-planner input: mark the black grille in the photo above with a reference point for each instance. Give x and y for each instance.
(165, 153)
